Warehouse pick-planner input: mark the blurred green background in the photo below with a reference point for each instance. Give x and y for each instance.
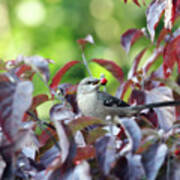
(50, 28)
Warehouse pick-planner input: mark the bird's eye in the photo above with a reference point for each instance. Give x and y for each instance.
(89, 82)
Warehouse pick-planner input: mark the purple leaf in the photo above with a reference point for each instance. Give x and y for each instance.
(174, 172)
(129, 167)
(137, 97)
(2, 166)
(153, 15)
(153, 158)
(80, 172)
(130, 37)
(135, 64)
(111, 67)
(133, 133)
(166, 115)
(15, 99)
(105, 153)
(59, 113)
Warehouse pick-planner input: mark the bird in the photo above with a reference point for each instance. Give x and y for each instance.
(93, 102)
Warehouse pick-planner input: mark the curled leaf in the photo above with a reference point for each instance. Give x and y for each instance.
(58, 76)
(153, 15)
(130, 37)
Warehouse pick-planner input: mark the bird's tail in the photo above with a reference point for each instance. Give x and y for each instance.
(138, 108)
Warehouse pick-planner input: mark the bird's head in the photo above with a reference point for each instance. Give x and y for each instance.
(88, 85)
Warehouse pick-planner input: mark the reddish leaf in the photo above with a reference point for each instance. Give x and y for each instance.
(171, 55)
(44, 138)
(22, 69)
(153, 15)
(138, 97)
(57, 78)
(85, 153)
(15, 99)
(161, 36)
(152, 117)
(136, 62)
(39, 99)
(136, 2)
(112, 67)
(175, 10)
(4, 77)
(130, 37)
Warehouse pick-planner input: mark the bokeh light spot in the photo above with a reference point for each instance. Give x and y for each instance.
(31, 13)
(108, 31)
(101, 9)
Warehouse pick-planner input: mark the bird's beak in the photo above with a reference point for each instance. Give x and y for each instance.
(95, 82)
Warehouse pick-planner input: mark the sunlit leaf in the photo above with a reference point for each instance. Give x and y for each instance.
(111, 67)
(151, 60)
(94, 134)
(83, 122)
(135, 64)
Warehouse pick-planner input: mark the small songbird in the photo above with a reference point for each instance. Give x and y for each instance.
(93, 102)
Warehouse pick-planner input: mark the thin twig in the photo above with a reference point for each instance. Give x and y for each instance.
(86, 64)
